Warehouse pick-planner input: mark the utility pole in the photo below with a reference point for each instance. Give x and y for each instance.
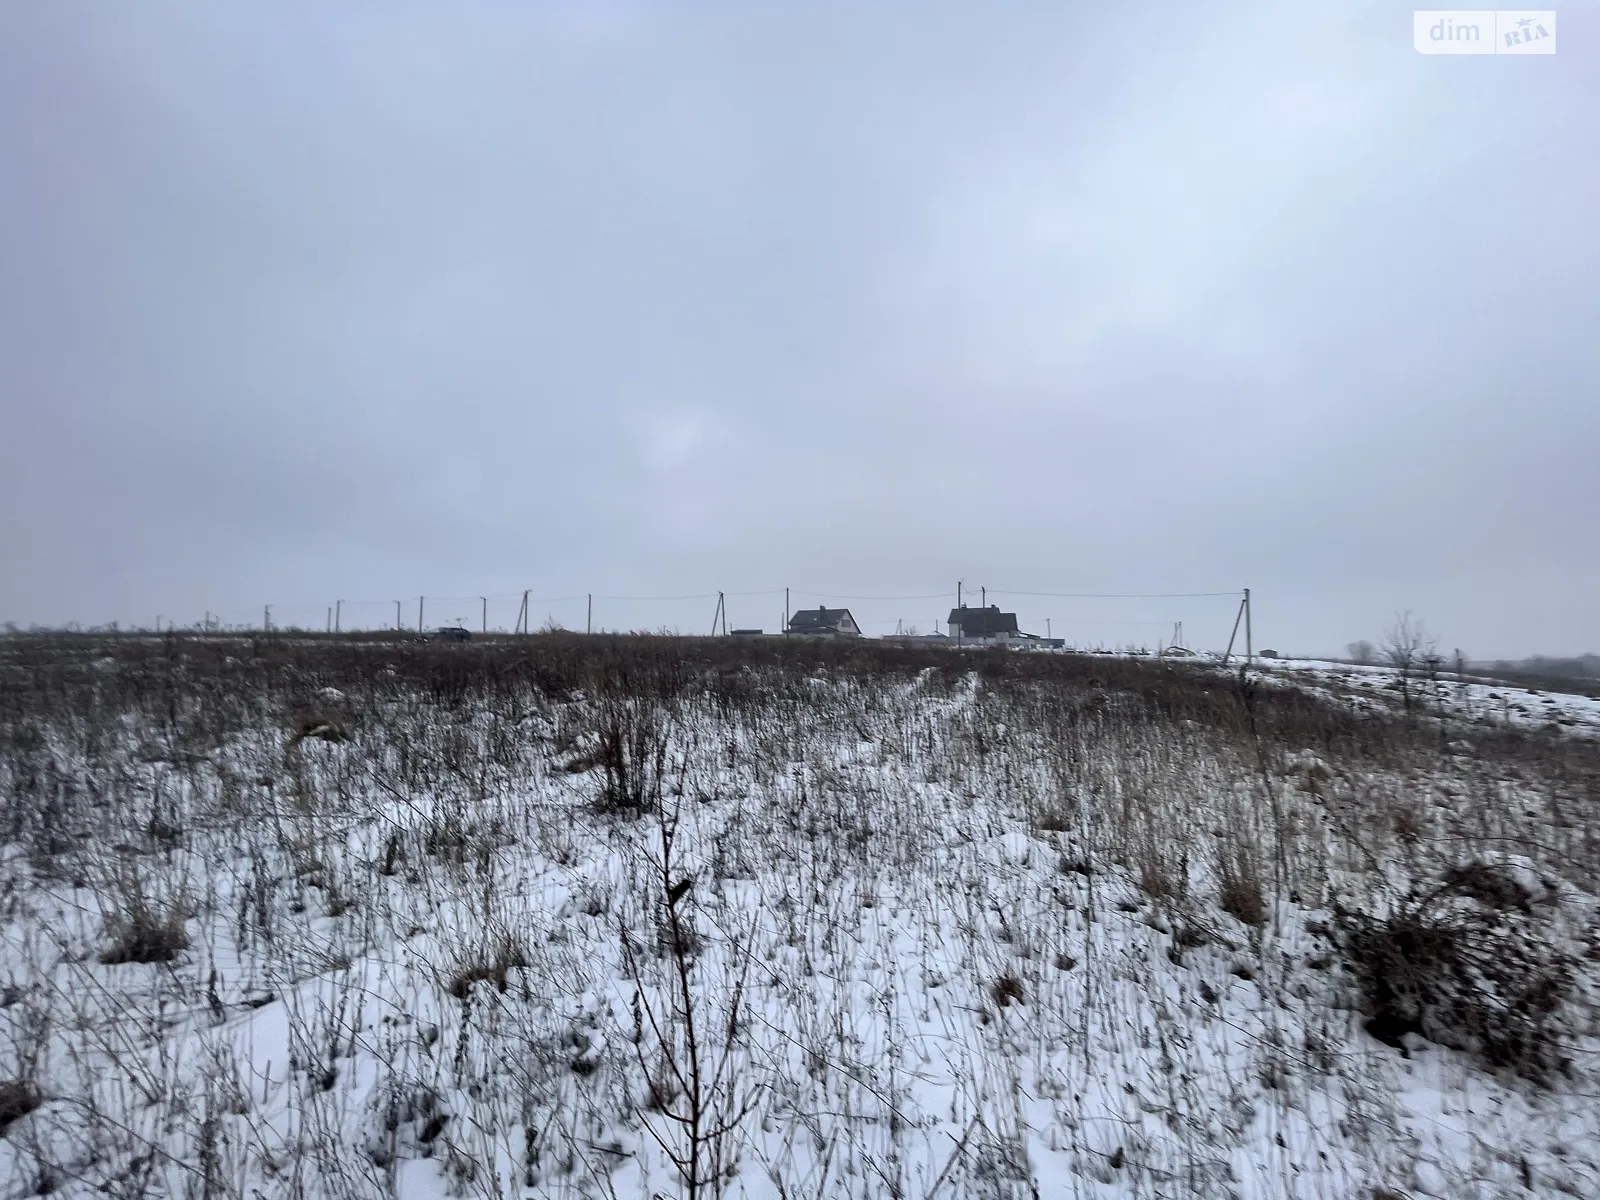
(330, 618)
(420, 599)
(721, 615)
(1047, 632)
(1237, 617)
(266, 619)
(522, 617)
(983, 597)
(785, 612)
(588, 623)
(958, 594)
(338, 615)
(397, 616)
(485, 600)
(1249, 647)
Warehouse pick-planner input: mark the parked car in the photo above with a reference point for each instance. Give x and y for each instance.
(452, 633)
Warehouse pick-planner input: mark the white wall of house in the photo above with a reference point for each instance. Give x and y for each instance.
(955, 632)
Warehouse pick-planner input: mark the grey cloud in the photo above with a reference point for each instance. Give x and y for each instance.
(659, 301)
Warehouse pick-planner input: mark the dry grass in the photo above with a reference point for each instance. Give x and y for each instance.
(453, 881)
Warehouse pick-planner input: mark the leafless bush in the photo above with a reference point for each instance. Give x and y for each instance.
(687, 1047)
(629, 745)
(143, 924)
(1466, 963)
(1406, 646)
(493, 964)
(1006, 990)
(18, 1098)
(327, 727)
(1240, 884)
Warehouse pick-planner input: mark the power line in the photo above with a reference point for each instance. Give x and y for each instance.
(833, 596)
(1119, 595)
(1071, 621)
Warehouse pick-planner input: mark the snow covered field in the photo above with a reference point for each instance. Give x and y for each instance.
(626, 917)
(1462, 699)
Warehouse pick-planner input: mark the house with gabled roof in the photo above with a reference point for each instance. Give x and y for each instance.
(823, 622)
(982, 624)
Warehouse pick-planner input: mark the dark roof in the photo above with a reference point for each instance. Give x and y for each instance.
(818, 618)
(983, 622)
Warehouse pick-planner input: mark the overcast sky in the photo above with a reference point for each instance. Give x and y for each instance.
(306, 302)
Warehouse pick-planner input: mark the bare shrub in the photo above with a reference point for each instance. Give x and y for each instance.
(494, 965)
(695, 1089)
(319, 725)
(1241, 891)
(1006, 990)
(1465, 964)
(1406, 646)
(18, 1098)
(1160, 877)
(141, 925)
(1055, 818)
(630, 748)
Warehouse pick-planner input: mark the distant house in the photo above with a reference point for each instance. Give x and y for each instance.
(823, 622)
(982, 624)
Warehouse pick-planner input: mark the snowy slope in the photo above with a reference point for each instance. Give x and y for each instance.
(935, 937)
(1462, 699)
